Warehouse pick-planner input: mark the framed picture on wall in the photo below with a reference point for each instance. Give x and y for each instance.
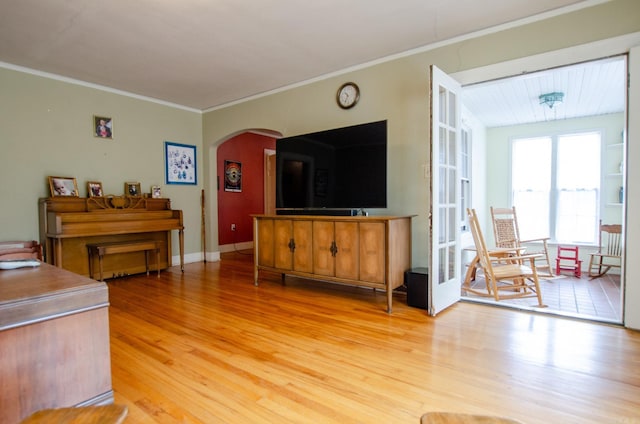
(102, 127)
(94, 189)
(232, 176)
(180, 163)
(63, 186)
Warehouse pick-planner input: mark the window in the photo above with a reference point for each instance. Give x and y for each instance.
(555, 184)
(465, 177)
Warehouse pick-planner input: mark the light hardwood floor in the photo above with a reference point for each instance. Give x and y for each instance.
(208, 346)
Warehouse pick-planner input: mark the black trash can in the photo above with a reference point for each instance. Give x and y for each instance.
(417, 282)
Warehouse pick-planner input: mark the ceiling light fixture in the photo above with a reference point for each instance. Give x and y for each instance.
(551, 99)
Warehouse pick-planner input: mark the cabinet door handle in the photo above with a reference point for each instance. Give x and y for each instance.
(292, 245)
(333, 249)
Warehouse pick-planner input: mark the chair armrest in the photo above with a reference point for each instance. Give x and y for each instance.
(604, 255)
(532, 257)
(544, 239)
(503, 250)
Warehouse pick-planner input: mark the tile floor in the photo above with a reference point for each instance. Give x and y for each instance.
(598, 299)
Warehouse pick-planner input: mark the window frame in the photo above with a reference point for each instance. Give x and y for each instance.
(553, 190)
(466, 168)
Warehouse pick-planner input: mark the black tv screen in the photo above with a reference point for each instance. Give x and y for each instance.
(342, 168)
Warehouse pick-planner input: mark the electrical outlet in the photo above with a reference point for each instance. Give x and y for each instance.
(233, 227)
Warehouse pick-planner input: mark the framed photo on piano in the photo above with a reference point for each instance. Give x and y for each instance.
(94, 188)
(63, 186)
(132, 190)
(156, 192)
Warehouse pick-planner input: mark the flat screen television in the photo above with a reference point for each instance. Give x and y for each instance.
(342, 169)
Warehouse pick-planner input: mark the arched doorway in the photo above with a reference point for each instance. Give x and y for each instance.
(240, 185)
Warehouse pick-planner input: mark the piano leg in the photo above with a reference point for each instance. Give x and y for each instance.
(90, 250)
(58, 253)
(158, 260)
(181, 237)
(100, 256)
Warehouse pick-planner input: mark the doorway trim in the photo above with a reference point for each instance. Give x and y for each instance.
(269, 181)
(581, 53)
(557, 58)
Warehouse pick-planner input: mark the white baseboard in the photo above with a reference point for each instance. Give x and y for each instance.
(212, 256)
(236, 246)
(196, 257)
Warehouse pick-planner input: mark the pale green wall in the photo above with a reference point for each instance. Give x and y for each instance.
(498, 149)
(398, 91)
(46, 129)
(45, 126)
(498, 168)
(400, 99)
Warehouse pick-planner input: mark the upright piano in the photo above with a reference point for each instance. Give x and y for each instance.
(68, 224)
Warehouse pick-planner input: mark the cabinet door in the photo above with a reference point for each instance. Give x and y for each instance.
(372, 252)
(323, 261)
(346, 238)
(303, 251)
(265, 242)
(283, 236)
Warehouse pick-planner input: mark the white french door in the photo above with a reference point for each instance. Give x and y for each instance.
(444, 213)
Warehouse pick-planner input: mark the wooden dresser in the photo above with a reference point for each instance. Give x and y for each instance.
(68, 224)
(361, 251)
(54, 341)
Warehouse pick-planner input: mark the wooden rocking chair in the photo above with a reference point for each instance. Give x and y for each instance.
(506, 276)
(609, 254)
(507, 234)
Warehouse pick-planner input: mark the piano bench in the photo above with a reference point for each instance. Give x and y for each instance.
(113, 247)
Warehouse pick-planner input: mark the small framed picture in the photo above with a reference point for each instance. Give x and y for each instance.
(156, 193)
(94, 188)
(132, 189)
(63, 186)
(102, 127)
(180, 163)
(232, 176)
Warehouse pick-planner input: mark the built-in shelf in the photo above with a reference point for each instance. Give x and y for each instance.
(613, 180)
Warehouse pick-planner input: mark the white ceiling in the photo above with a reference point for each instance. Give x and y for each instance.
(204, 53)
(591, 88)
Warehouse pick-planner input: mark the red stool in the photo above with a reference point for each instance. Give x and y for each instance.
(568, 254)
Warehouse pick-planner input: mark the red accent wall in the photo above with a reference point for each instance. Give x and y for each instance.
(237, 208)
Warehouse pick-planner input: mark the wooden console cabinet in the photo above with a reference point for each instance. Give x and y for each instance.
(54, 341)
(361, 251)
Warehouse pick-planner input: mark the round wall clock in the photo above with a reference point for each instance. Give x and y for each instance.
(348, 95)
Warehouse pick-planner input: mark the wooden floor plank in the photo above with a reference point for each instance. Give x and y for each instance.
(208, 346)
